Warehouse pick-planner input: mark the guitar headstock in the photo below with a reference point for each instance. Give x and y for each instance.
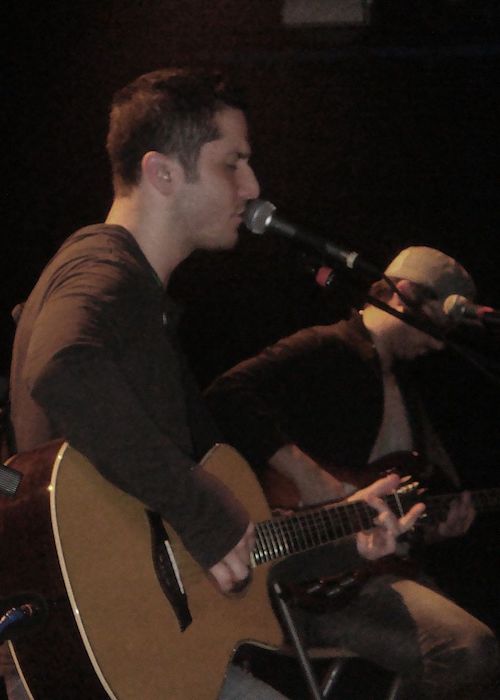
(408, 487)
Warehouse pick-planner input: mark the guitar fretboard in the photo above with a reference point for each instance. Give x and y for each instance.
(484, 501)
(280, 537)
(283, 536)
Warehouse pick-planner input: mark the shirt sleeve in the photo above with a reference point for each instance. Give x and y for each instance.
(73, 373)
(252, 402)
(199, 507)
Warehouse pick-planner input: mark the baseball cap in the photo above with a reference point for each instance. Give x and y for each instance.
(432, 268)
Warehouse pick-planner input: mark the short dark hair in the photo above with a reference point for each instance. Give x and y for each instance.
(171, 111)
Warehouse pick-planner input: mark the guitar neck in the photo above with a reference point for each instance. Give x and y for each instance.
(280, 537)
(483, 500)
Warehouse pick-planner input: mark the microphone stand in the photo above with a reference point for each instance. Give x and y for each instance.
(420, 324)
(428, 327)
(465, 352)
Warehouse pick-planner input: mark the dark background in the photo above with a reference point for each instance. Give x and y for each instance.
(376, 137)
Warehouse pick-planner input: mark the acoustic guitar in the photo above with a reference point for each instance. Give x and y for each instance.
(130, 613)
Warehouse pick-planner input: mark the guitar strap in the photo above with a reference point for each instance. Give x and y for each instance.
(167, 571)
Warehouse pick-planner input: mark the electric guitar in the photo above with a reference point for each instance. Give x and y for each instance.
(130, 613)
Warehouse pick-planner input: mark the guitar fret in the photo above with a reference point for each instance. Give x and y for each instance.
(310, 529)
(270, 553)
(359, 510)
(321, 528)
(266, 539)
(257, 553)
(368, 515)
(277, 533)
(350, 518)
(324, 529)
(318, 528)
(262, 550)
(347, 519)
(280, 524)
(301, 542)
(335, 514)
(278, 538)
(273, 546)
(297, 532)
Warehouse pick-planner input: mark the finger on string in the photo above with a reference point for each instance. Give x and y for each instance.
(377, 503)
(407, 521)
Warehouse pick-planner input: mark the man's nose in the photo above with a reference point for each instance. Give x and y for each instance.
(249, 185)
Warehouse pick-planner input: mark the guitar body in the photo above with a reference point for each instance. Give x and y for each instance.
(86, 548)
(111, 632)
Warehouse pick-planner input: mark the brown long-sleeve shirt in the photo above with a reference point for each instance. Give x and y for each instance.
(96, 361)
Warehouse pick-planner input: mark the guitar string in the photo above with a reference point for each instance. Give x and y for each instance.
(308, 530)
(282, 536)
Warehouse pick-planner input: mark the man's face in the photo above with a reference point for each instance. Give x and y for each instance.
(412, 342)
(209, 210)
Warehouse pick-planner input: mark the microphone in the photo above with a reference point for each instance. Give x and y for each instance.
(459, 308)
(261, 216)
(20, 614)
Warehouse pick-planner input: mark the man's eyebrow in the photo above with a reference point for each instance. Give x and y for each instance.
(241, 155)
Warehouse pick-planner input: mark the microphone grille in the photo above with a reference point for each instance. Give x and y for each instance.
(258, 214)
(455, 305)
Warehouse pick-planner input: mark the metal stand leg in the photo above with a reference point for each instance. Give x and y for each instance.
(318, 691)
(394, 689)
(297, 642)
(332, 675)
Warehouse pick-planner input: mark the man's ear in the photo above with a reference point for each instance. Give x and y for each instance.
(160, 171)
(407, 291)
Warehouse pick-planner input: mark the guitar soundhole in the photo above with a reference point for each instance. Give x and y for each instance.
(165, 568)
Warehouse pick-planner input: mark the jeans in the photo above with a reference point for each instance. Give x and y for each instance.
(240, 685)
(407, 627)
